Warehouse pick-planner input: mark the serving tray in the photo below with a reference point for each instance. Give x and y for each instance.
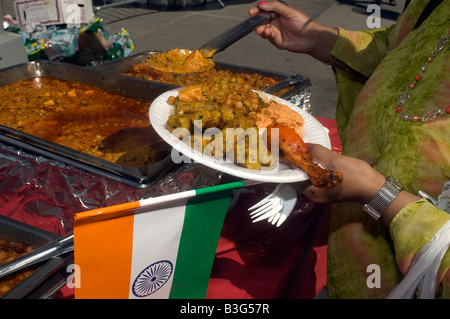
(110, 82)
(298, 83)
(51, 274)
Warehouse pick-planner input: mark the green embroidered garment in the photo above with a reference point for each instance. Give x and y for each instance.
(415, 153)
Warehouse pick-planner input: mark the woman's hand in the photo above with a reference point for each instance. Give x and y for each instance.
(361, 183)
(294, 31)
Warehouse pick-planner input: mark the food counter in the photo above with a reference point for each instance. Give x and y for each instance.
(44, 185)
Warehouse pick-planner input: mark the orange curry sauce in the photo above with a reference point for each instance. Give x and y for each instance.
(106, 125)
(8, 252)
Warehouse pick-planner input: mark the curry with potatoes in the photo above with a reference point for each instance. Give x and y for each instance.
(253, 80)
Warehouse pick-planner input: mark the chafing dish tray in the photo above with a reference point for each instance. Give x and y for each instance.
(50, 275)
(295, 84)
(121, 170)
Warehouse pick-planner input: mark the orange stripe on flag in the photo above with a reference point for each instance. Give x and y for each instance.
(104, 251)
(106, 212)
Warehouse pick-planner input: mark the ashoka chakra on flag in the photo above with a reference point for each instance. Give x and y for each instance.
(152, 278)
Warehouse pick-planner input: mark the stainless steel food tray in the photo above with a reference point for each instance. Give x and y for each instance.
(298, 82)
(51, 274)
(106, 81)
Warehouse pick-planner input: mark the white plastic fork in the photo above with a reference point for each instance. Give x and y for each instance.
(278, 205)
(275, 207)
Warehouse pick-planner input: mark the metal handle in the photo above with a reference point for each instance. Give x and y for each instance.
(296, 79)
(237, 32)
(53, 249)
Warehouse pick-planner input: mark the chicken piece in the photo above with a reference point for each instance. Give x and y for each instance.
(196, 62)
(295, 151)
(191, 93)
(179, 61)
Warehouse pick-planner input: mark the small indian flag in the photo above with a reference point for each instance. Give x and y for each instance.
(161, 247)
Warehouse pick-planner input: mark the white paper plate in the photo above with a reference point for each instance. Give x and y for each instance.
(313, 131)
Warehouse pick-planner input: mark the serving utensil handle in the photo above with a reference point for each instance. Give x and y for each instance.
(234, 34)
(293, 80)
(55, 248)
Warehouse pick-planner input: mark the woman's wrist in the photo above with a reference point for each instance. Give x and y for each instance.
(323, 39)
(403, 198)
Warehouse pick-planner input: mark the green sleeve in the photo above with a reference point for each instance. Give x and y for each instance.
(412, 228)
(362, 50)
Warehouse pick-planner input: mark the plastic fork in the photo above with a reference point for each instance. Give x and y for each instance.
(277, 206)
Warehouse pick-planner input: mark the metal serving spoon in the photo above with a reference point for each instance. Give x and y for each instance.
(175, 60)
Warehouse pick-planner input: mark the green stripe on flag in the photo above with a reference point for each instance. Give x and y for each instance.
(216, 188)
(199, 238)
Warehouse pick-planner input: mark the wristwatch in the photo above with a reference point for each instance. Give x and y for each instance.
(383, 198)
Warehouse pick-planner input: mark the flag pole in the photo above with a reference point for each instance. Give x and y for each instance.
(152, 202)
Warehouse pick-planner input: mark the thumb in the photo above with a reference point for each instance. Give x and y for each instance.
(322, 155)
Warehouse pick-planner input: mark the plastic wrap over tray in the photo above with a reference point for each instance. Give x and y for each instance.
(46, 193)
(113, 83)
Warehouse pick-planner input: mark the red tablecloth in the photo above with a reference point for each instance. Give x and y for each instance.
(262, 261)
(253, 260)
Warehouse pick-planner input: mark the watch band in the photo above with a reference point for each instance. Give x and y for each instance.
(383, 198)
